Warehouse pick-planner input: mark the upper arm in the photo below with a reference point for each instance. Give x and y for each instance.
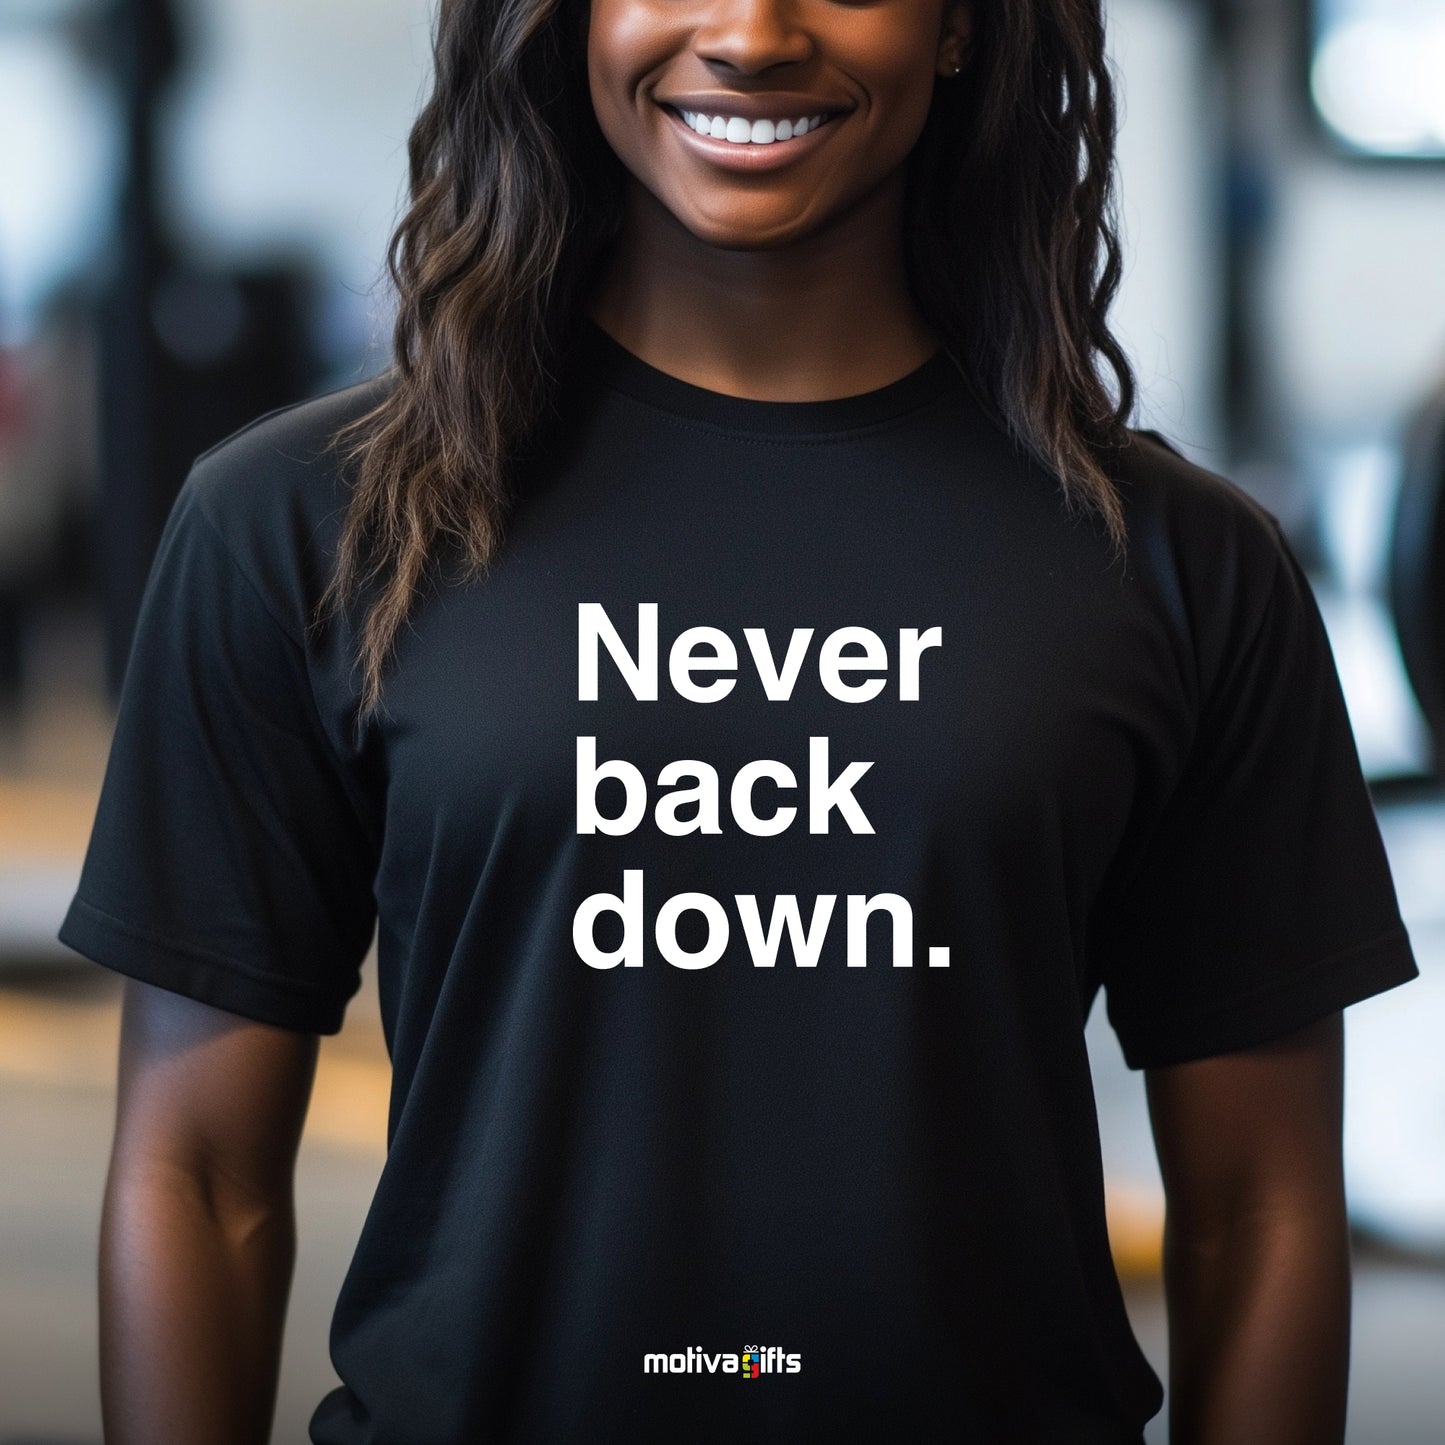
(209, 1093)
(1252, 1132)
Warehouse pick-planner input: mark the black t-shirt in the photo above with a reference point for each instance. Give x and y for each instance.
(745, 851)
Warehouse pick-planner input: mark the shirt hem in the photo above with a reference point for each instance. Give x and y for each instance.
(1328, 985)
(127, 949)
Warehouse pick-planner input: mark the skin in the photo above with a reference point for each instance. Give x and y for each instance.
(1256, 1246)
(786, 285)
(198, 1234)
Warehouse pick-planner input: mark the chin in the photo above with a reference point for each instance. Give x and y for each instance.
(742, 233)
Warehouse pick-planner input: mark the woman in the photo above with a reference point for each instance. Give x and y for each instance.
(760, 689)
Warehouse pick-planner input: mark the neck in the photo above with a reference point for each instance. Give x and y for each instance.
(828, 316)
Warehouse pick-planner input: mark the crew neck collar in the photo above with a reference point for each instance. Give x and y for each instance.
(606, 360)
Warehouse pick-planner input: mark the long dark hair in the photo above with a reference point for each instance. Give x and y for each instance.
(1011, 249)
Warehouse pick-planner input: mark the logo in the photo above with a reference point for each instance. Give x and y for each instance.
(751, 1363)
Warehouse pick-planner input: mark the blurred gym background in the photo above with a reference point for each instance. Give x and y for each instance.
(195, 196)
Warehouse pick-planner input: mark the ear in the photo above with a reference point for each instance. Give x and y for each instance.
(957, 37)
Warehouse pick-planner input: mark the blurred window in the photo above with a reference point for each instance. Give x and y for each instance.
(58, 157)
(1376, 69)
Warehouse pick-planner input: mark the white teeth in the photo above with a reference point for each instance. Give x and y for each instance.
(741, 131)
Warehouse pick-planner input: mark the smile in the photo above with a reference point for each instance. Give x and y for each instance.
(738, 130)
(735, 143)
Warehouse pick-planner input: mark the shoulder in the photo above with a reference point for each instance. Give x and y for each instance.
(1168, 497)
(1213, 558)
(283, 461)
(275, 492)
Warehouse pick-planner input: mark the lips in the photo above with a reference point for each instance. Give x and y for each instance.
(743, 154)
(704, 126)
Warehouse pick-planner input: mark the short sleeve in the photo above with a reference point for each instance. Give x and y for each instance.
(229, 859)
(1261, 897)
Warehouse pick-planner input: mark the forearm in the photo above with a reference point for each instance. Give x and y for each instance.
(193, 1288)
(1259, 1330)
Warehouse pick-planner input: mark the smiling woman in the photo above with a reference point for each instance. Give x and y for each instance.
(664, 1083)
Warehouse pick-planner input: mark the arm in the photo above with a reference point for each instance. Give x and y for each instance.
(1256, 1242)
(197, 1238)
